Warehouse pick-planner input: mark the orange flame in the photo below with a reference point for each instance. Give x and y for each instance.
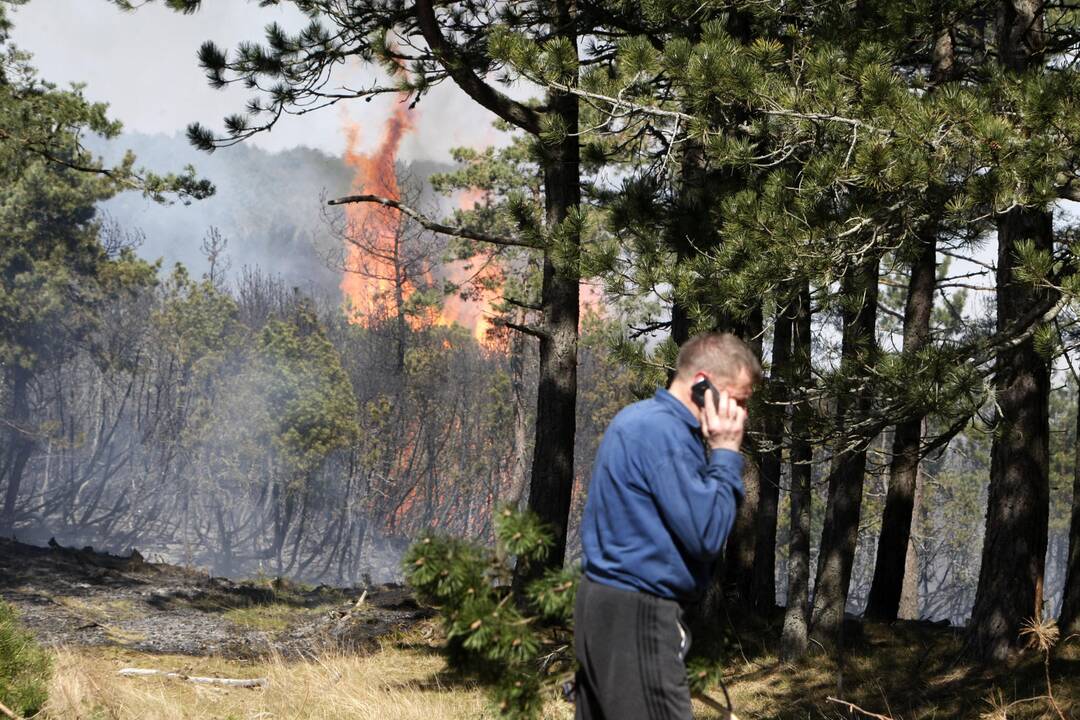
(372, 278)
(478, 277)
(374, 282)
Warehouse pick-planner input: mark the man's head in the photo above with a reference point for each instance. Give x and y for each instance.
(724, 360)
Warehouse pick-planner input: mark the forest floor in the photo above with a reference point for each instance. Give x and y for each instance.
(325, 654)
(893, 670)
(70, 597)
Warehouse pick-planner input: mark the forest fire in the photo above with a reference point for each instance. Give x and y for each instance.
(384, 264)
(372, 276)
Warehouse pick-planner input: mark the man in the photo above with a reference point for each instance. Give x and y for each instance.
(665, 487)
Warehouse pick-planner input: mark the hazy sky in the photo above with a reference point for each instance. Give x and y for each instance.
(144, 65)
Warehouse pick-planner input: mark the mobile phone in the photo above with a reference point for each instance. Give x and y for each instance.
(697, 393)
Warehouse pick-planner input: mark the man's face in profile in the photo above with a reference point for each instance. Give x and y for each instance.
(740, 389)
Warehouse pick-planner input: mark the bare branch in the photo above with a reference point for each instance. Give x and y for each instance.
(660, 112)
(430, 224)
(856, 708)
(8, 712)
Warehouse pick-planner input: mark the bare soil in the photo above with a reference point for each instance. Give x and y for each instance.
(81, 597)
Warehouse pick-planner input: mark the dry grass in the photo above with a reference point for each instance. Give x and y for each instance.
(272, 617)
(405, 680)
(904, 672)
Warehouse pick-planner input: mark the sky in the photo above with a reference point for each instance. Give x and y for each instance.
(144, 65)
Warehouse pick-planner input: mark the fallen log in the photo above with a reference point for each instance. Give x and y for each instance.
(228, 682)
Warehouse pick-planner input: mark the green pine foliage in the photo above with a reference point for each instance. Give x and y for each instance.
(306, 387)
(25, 668)
(515, 646)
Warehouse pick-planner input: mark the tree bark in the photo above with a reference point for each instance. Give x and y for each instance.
(840, 533)
(20, 445)
(739, 553)
(885, 590)
(795, 636)
(520, 473)
(1014, 549)
(551, 483)
(1069, 618)
(763, 590)
(909, 592)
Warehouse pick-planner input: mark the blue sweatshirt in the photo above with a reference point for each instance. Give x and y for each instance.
(659, 506)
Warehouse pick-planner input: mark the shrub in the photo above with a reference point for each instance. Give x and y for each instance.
(515, 647)
(25, 668)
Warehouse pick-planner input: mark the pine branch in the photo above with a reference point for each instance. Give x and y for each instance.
(433, 225)
(184, 188)
(1045, 312)
(1068, 188)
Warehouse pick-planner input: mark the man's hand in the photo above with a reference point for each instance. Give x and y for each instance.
(722, 422)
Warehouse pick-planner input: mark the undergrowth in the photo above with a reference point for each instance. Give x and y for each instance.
(518, 647)
(25, 668)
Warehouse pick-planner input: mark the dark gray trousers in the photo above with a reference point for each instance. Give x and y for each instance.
(632, 649)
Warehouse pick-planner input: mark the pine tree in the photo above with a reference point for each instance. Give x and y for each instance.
(795, 635)
(513, 649)
(836, 553)
(1014, 551)
(25, 668)
(890, 563)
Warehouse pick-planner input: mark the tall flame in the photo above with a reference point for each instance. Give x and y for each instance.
(374, 283)
(371, 277)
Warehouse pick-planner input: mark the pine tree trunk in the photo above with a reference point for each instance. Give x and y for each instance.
(738, 574)
(884, 600)
(1069, 618)
(909, 592)
(842, 511)
(763, 590)
(691, 229)
(892, 591)
(520, 472)
(20, 445)
(552, 479)
(795, 637)
(1014, 549)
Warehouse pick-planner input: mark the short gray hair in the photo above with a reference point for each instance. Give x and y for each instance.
(720, 354)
